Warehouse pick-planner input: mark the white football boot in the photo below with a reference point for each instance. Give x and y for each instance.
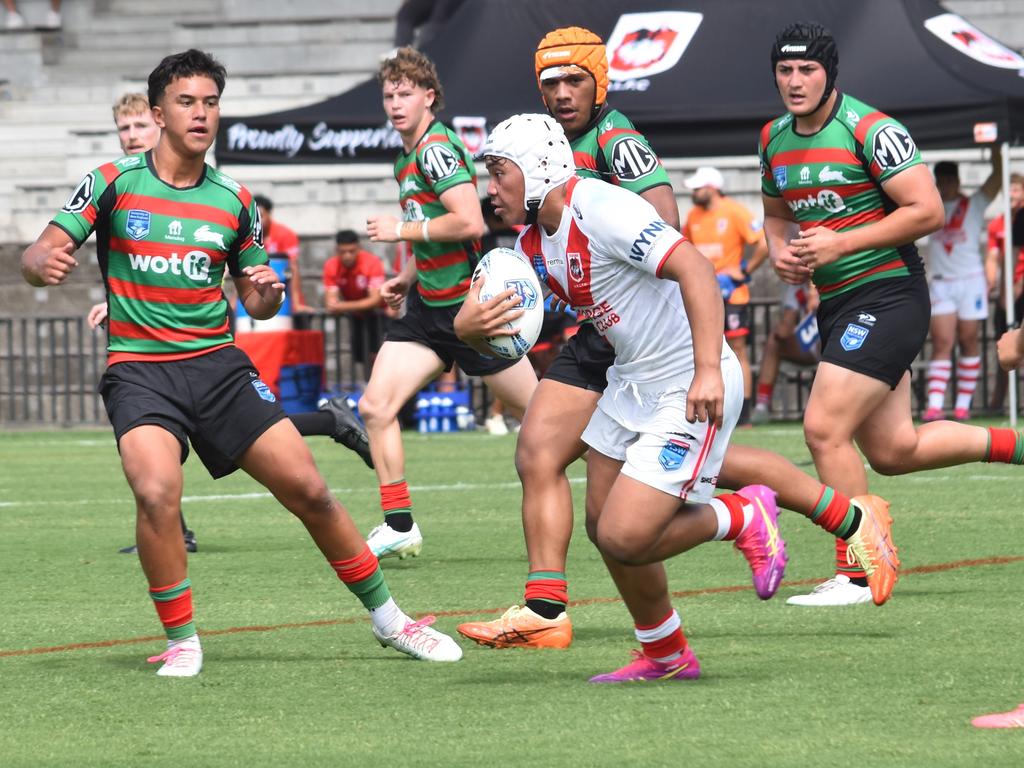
(184, 659)
(418, 640)
(838, 590)
(385, 541)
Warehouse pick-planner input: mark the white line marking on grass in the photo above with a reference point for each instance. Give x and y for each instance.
(265, 495)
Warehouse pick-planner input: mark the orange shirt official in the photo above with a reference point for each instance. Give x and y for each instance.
(721, 232)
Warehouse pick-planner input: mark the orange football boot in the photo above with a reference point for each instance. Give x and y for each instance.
(520, 628)
(873, 548)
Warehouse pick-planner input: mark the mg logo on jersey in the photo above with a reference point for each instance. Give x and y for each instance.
(206, 235)
(81, 197)
(645, 44)
(439, 162)
(195, 265)
(631, 160)
(892, 147)
(138, 223)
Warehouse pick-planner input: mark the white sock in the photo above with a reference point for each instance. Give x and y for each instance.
(389, 619)
(191, 641)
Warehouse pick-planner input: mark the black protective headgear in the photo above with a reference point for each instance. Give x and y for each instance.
(809, 40)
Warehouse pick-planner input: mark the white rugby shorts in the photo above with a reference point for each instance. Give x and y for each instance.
(645, 426)
(966, 297)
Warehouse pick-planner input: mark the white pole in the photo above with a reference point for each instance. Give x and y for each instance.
(1008, 270)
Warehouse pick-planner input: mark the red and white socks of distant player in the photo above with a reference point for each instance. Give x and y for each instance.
(764, 396)
(663, 642)
(734, 514)
(939, 372)
(967, 371)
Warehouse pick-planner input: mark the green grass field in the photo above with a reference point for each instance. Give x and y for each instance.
(293, 676)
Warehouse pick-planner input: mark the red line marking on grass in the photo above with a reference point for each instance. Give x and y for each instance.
(917, 570)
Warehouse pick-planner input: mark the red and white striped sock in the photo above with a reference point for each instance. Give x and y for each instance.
(967, 371)
(764, 395)
(939, 372)
(734, 514)
(663, 641)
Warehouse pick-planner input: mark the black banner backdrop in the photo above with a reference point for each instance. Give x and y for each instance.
(693, 75)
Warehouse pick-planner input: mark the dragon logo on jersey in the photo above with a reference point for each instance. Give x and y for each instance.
(645, 44)
(81, 197)
(853, 337)
(439, 162)
(672, 455)
(631, 160)
(206, 235)
(138, 223)
(892, 147)
(575, 267)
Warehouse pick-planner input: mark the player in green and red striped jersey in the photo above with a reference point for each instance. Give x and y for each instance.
(442, 220)
(845, 197)
(167, 228)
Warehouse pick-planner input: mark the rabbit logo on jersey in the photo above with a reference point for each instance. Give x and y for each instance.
(645, 44)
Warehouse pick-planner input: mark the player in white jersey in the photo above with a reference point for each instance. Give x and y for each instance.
(674, 392)
(959, 291)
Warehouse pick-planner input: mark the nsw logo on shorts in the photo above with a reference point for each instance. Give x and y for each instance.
(853, 337)
(264, 391)
(672, 455)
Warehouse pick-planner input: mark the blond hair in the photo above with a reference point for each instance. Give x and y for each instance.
(131, 104)
(409, 64)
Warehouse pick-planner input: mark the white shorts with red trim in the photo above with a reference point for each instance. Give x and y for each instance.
(645, 427)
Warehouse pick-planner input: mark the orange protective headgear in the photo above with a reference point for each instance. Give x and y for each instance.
(574, 46)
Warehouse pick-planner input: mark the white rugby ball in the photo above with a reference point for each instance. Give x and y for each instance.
(502, 269)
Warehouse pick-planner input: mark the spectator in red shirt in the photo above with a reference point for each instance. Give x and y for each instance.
(352, 281)
(994, 276)
(279, 240)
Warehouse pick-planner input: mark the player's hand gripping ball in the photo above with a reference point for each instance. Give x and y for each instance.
(502, 269)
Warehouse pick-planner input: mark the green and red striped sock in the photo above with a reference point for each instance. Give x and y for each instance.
(1005, 446)
(362, 575)
(174, 607)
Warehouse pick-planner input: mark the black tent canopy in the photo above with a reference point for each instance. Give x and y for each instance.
(694, 75)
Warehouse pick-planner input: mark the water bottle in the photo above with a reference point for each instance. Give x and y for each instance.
(446, 414)
(421, 415)
(462, 417)
(433, 421)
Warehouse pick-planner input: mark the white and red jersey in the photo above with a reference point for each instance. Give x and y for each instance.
(604, 260)
(955, 250)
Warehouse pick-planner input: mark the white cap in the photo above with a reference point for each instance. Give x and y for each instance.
(537, 144)
(706, 176)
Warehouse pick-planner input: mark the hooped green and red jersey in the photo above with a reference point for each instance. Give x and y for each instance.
(439, 162)
(612, 150)
(163, 251)
(834, 178)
